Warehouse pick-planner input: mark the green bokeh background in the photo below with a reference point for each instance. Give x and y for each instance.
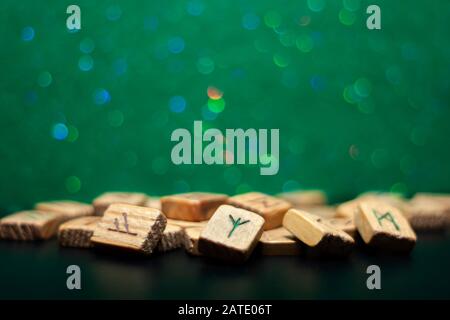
(357, 109)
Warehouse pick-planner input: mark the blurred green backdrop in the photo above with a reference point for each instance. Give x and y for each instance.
(92, 111)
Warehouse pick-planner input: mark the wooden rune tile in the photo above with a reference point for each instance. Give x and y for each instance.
(30, 225)
(272, 209)
(315, 232)
(195, 206)
(383, 226)
(130, 227)
(78, 232)
(231, 234)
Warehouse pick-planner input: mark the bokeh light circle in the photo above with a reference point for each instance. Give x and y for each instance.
(60, 131)
(177, 104)
(85, 63)
(27, 33)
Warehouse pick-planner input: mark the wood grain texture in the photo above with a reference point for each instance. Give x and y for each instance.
(130, 227)
(279, 242)
(231, 234)
(316, 233)
(30, 225)
(270, 208)
(78, 232)
(384, 226)
(306, 198)
(102, 202)
(70, 209)
(195, 206)
(171, 239)
(191, 236)
(429, 212)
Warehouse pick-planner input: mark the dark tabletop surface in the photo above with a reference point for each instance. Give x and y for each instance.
(38, 271)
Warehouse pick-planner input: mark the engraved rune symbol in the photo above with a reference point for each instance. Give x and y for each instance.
(236, 223)
(265, 202)
(126, 221)
(117, 225)
(388, 216)
(262, 200)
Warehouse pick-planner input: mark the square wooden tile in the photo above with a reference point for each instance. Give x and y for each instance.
(78, 232)
(195, 206)
(270, 208)
(384, 226)
(315, 232)
(102, 202)
(231, 234)
(30, 225)
(130, 227)
(279, 242)
(70, 209)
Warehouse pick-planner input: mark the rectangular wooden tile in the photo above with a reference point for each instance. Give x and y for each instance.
(191, 236)
(384, 226)
(70, 209)
(231, 234)
(78, 232)
(30, 225)
(172, 238)
(305, 198)
(270, 208)
(102, 202)
(130, 227)
(187, 224)
(316, 233)
(279, 242)
(427, 213)
(195, 206)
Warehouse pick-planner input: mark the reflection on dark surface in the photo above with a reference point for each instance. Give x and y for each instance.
(38, 270)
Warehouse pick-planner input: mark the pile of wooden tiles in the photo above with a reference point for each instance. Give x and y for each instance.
(231, 228)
